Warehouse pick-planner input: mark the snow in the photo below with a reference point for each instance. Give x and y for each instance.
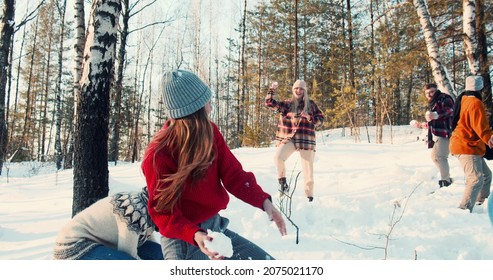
(372, 202)
(220, 244)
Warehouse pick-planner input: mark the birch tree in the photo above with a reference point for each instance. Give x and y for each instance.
(470, 36)
(483, 54)
(476, 44)
(91, 132)
(80, 35)
(439, 71)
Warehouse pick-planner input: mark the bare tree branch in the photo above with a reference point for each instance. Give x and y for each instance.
(29, 17)
(141, 9)
(149, 25)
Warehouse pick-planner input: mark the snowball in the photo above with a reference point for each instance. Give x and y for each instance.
(220, 244)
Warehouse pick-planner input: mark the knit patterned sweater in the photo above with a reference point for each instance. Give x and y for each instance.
(206, 197)
(472, 130)
(119, 221)
(292, 127)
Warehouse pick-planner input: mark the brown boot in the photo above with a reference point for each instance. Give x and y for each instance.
(283, 186)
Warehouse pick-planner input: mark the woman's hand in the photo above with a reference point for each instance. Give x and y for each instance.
(307, 116)
(275, 215)
(199, 238)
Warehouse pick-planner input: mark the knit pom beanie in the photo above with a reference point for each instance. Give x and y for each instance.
(474, 83)
(299, 84)
(183, 93)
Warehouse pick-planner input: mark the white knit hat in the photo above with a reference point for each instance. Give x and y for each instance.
(183, 93)
(474, 83)
(299, 84)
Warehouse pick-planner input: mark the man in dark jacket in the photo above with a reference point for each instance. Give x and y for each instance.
(439, 124)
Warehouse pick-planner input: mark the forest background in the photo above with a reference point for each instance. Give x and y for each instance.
(79, 80)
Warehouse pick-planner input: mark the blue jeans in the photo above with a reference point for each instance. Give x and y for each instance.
(243, 249)
(148, 251)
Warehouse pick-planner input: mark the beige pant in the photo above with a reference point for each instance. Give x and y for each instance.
(284, 151)
(439, 156)
(478, 180)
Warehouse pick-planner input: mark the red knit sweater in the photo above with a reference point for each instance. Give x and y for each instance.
(207, 197)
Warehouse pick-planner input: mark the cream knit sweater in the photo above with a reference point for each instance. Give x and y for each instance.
(120, 221)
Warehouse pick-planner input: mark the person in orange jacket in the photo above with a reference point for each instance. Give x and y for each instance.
(471, 133)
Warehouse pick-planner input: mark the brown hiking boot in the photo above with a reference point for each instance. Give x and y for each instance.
(283, 186)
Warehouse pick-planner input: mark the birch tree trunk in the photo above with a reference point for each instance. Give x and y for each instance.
(80, 35)
(91, 132)
(440, 73)
(470, 35)
(6, 32)
(484, 64)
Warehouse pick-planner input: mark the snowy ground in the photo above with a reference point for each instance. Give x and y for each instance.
(372, 202)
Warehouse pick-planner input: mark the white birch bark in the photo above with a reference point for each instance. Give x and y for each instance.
(470, 35)
(80, 34)
(439, 71)
(91, 133)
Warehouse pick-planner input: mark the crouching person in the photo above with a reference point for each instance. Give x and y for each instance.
(117, 227)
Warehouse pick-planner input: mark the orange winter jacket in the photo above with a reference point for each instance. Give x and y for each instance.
(472, 130)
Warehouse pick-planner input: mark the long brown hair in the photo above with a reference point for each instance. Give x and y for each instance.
(190, 140)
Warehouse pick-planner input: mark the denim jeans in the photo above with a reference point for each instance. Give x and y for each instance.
(148, 251)
(243, 249)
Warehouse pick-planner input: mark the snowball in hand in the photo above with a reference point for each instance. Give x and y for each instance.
(220, 244)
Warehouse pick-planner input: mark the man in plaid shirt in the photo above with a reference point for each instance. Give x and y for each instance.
(439, 123)
(296, 132)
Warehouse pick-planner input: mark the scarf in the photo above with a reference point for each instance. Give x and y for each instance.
(457, 105)
(437, 96)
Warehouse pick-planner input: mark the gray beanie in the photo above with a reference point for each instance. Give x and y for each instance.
(183, 93)
(474, 83)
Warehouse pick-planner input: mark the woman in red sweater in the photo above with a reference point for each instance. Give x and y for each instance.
(190, 170)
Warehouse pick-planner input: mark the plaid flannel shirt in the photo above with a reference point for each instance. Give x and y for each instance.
(443, 125)
(293, 127)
